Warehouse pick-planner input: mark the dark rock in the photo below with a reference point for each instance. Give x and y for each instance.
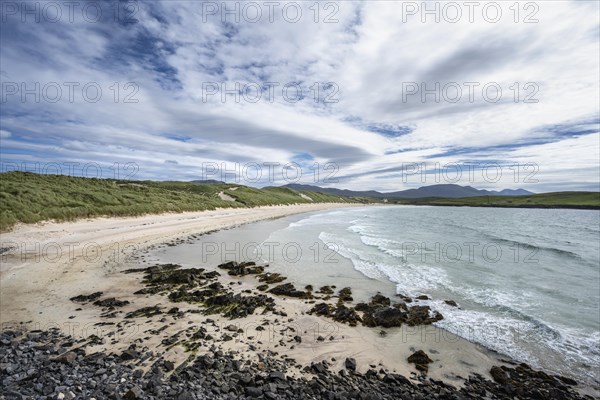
(133, 393)
(85, 298)
(237, 306)
(144, 312)
(319, 368)
(379, 300)
(320, 309)
(568, 381)
(129, 354)
(325, 290)
(421, 360)
(350, 364)
(229, 265)
(420, 315)
(245, 268)
(271, 278)
(169, 365)
(451, 303)
(185, 395)
(253, 391)
(287, 289)
(345, 295)
(276, 376)
(499, 375)
(346, 315)
(384, 316)
(419, 357)
(111, 303)
(66, 358)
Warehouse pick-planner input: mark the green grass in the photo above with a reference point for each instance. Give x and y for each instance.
(590, 200)
(30, 198)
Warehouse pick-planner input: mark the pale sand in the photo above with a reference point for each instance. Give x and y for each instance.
(35, 288)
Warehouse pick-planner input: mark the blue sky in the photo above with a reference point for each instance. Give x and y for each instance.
(369, 125)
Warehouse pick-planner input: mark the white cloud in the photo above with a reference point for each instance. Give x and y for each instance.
(369, 53)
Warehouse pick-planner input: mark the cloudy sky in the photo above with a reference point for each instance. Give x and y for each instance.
(383, 95)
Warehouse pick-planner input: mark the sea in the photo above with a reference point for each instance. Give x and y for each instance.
(526, 281)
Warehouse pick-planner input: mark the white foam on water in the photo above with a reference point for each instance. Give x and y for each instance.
(384, 245)
(507, 319)
(515, 336)
(346, 250)
(499, 333)
(414, 280)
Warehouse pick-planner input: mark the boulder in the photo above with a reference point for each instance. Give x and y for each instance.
(350, 364)
(287, 289)
(379, 300)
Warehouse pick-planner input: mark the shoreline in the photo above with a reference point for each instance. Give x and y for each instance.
(48, 288)
(558, 207)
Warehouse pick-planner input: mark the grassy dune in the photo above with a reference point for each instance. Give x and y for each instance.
(30, 198)
(586, 200)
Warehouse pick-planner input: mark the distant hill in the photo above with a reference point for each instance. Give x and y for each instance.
(448, 191)
(208, 182)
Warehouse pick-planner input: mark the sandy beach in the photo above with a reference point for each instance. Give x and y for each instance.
(45, 266)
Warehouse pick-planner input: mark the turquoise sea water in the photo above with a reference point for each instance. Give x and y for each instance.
(527, 280)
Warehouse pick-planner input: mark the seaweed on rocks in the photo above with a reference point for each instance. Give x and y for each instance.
(111, 303)
(325, 290)
(378, 313)
(421, 360)
(271, 278)
(242, 269)
(144, 312)
(288, 289)
(196, 286)
(339, 313)
(345, 295)
(237, 306)
(86, 298)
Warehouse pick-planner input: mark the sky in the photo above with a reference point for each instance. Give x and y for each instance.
(382, 95)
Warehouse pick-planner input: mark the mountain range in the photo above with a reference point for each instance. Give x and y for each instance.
(442, 190)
